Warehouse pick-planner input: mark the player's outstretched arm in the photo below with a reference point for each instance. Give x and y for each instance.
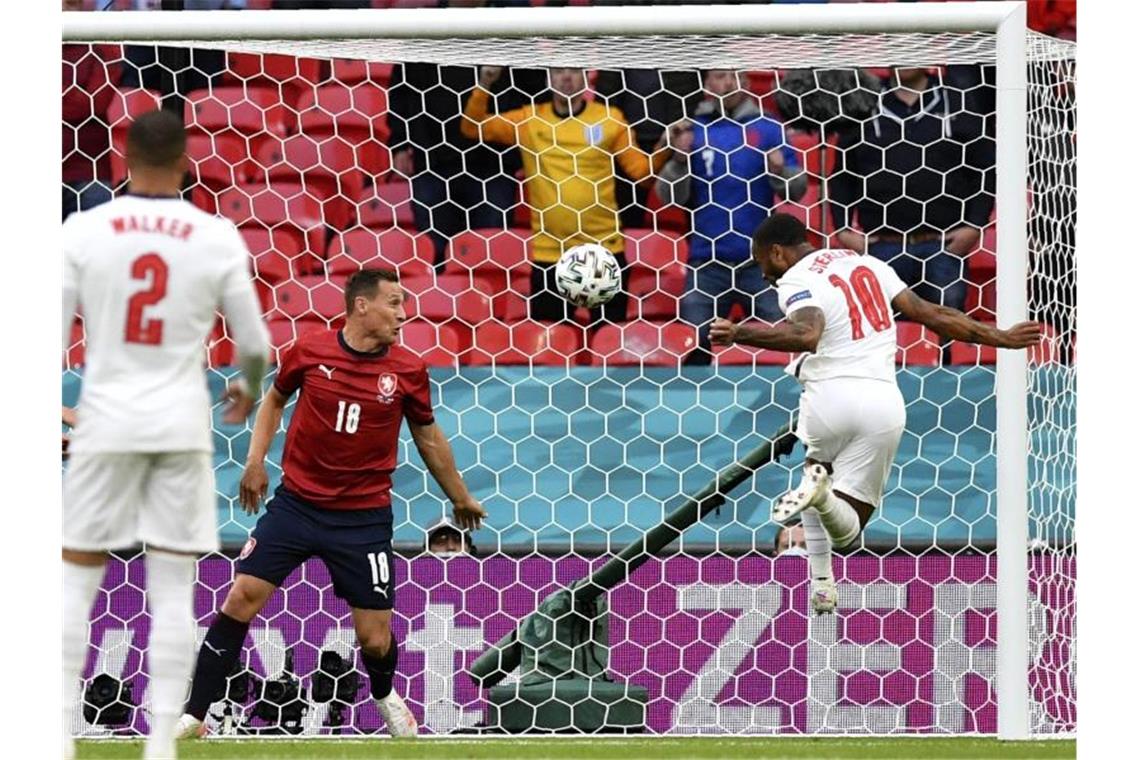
(254, 479)
(801, 331)
(436, 452)
(953, 324)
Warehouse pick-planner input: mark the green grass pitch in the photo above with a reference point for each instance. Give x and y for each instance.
(686, 748)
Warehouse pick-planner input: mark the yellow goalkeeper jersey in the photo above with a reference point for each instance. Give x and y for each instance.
(569, 167)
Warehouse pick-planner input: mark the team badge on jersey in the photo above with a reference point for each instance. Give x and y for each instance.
(247, 550)
(594, 134)
(386, 384)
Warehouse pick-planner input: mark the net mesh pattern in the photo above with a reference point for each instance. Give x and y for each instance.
(581, 433)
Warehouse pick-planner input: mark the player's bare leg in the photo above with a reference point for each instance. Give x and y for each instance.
(380, 652)
(82, 574)
(170, 596)
(222, 648)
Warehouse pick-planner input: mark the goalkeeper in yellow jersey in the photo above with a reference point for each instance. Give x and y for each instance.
(569, 147)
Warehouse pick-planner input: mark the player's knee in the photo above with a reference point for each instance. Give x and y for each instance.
(244, 600)
(375, 639)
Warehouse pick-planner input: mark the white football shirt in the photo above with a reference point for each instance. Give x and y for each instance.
(148, 275)
(855, 293)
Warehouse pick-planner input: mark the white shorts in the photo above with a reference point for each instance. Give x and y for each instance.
(854, 425)
(118, 500)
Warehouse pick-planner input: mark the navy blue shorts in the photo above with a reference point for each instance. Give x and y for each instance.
(355, 545)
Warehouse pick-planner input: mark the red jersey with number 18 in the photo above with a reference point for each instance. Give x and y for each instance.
(341, 444)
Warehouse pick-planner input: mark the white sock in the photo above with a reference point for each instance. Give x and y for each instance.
(170, 595)
(80, 584)
(818, 545)
(839, 519)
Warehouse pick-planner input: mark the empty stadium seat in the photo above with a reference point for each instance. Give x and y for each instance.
(409, 254)
(526, 342)
(653, 249)
(917, 346)
(310, 296)
(448, 297)
(672, 218)
(498, 257)
(327, 169)
(218, 161)
(967, 353)
(655, 293)
(356, 115)
(810, 210)
(251, 112)
(283, 332)
(284, 208)
(648, 343)
(125, 107)
(438, 345)
(272, 254)
(291, 76)
(387, 204)
(352, 71)
(77, 346)
(749, 356)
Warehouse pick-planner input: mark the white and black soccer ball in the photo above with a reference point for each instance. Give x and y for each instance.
(588, 275)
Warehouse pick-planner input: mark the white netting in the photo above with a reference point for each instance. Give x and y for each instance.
(579, 436)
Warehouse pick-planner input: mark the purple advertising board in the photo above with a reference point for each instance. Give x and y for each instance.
(723, 645)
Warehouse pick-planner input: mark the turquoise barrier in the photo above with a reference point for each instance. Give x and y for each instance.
(590, 458)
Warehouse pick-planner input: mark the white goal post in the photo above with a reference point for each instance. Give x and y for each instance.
(792, 36)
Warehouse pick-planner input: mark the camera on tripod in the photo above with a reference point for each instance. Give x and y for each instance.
(336, 682)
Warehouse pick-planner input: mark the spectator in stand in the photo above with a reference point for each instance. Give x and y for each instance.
(88, 91)
(729, 165)
(918, 179)
(649, 99)
(458, 184)
(569, 148)
(790, 541)
(445, 539)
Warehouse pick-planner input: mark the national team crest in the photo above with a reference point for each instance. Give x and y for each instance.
(247, 550)
(386, 384)
(594, 134)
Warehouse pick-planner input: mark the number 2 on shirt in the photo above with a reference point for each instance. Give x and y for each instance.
(864, 288)
(148, 332)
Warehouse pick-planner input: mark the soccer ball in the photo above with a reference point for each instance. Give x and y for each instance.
(587, 275)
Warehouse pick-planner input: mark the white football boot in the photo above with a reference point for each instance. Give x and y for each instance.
(824, 596)
(189, 727)
(811, 492)
(397, 717)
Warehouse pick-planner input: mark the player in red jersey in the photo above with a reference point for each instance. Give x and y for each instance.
(357, 386)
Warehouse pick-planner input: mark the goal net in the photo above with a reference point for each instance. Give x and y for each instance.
(335, 152)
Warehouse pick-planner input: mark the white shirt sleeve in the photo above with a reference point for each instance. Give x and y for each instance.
(795, 292)
(70, 279)
(239, 299)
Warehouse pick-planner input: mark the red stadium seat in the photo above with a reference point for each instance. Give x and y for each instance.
(810, 210)
(388, 204)
(282, 333)
(746, 355)
(356, 115)
(656, 294)
(655, 250)
(526, 342)
(125, 107)
(642, 343)
(283, 208)
(917, 346)
(218, 162)
(327, 169)
(448, 297)
(292, 77)
(308, 297)
(352, 71)
(272, 254)
(249, 112)
(1049, 350)
(500, 259)
(811, 153)
(77, 346)
(438, 345)
(967, 353)
(671, 217)
(409, 254)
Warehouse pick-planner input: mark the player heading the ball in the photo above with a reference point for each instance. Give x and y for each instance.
(149, 271)
(840, 313)
(357, 387)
